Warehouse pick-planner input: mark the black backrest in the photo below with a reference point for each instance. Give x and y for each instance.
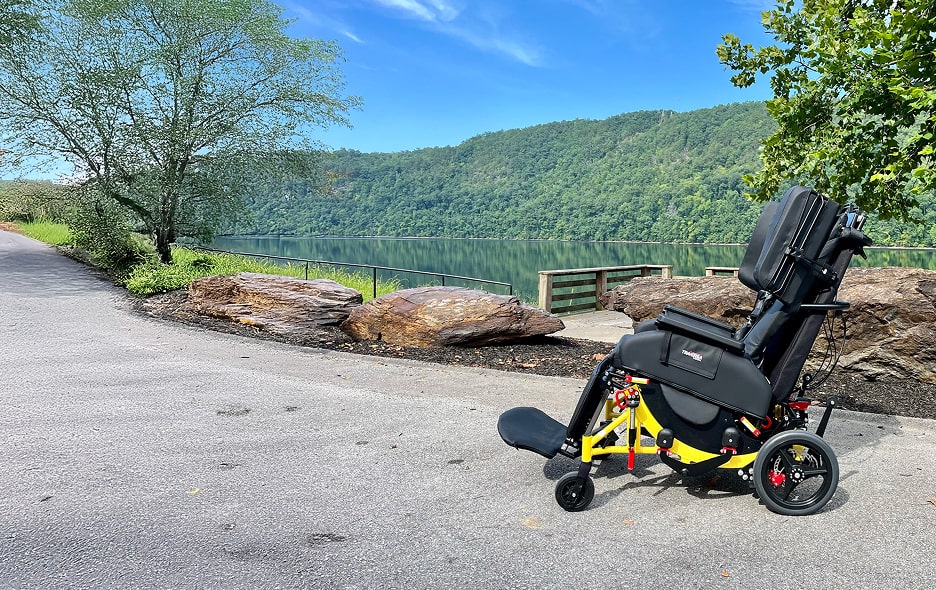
(786, 353)
(591, 400)
(793, 234)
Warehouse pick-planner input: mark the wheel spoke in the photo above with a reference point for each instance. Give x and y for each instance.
(789, 460)
(787, 489)
(818, 472)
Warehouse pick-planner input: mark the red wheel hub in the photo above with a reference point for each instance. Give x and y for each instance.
(777, 478)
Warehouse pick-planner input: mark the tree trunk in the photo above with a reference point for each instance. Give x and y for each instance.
(163, 245)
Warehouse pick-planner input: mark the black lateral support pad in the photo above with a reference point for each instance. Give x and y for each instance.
(532, 429)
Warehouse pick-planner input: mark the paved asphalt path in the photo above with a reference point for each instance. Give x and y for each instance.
(138, 453)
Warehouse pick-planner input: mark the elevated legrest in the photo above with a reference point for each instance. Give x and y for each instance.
(532, 429)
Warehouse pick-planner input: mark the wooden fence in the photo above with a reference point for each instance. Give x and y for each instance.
(579, 289)
(713, 271)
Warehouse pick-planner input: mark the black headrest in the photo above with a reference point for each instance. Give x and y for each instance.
(755, 245)
(789, 234)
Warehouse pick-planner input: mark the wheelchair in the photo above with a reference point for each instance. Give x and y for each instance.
(704, 395)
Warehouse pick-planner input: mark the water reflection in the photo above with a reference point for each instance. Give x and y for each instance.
(517, 261)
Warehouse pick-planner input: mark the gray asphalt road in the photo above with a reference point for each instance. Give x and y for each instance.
(143, 454)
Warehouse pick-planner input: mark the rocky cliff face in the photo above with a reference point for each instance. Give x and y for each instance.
(892, 323)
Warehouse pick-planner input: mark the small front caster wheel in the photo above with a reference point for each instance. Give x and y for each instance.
(574, 493)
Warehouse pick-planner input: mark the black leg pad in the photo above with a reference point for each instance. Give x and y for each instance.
(532, 429)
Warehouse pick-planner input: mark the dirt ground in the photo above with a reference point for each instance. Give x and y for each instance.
(554, 356)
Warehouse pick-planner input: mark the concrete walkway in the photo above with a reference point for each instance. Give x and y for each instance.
(143, 454)
(600, 326)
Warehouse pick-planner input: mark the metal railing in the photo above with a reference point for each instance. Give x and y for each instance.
(442, 276)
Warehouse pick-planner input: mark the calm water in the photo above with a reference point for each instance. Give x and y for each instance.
(517, 261)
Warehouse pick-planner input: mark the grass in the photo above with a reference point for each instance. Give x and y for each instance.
(49, 232)
(187, 265)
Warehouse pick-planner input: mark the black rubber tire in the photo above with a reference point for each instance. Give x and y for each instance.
(795, 473)
(574, 494)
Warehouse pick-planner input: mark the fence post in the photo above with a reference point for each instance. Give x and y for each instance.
(375, 282)
(601, 287)
(545, 291)
(667, 272)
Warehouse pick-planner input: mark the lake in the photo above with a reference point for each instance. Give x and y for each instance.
(518, 261)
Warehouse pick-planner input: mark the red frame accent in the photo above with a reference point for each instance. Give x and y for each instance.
(777, 478)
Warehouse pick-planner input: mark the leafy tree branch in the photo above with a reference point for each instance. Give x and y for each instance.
(854, 99)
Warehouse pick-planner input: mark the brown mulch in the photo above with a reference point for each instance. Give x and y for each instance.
(550, 356)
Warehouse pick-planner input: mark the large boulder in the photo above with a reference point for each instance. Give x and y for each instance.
(891, 321)
(448, 316)
(281, 305)
(723, 298)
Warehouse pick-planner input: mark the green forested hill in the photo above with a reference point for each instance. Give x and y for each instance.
(646, 176)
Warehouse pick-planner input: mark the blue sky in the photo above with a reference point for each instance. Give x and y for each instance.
(437, 72)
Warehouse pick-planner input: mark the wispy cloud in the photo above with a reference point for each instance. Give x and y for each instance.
(493, 43)
(352, 36)
(475, 28)
(322, 19)
(446, 10)
(427, 10)
(630, 16)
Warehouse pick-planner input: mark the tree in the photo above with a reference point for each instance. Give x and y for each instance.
(171, 108)
(854, 84)
(15, 20)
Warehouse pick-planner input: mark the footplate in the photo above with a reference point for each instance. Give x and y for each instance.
(532, 429)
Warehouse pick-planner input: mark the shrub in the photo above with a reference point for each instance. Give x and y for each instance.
(30, 201)
(102, 229)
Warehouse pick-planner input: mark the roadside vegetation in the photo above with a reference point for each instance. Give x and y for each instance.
(150, 276)
(189, 264)
(49, 232)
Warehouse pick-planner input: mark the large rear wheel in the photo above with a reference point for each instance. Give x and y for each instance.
(795, 473)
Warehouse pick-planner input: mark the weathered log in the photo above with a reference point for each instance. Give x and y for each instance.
(447, 316)
(281, 305)
(891, 323)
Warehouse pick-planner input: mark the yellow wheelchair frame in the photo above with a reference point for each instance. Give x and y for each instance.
(639, 419)
(788, 457)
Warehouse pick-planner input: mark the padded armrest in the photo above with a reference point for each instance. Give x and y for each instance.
(700, 328)
(724, 326)
(825, 307)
